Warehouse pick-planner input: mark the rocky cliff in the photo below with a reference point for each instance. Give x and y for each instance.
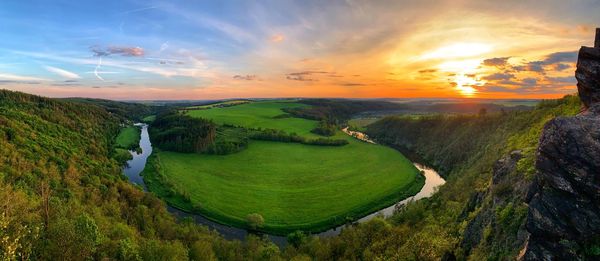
(564, 214)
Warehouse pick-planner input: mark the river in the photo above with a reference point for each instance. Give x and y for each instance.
(135, 166)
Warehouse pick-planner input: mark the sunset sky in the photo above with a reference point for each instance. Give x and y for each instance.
(227, 49)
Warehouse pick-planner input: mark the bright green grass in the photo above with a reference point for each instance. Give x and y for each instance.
(293, 186)
(360, 124)
(149, 119)
(259, 115)
(213, 105)
(128, 138)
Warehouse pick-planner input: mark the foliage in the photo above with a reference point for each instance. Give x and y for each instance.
(63, 197)
(176, 132)
(464, 148)
(281, 136)
(325, 129)
(122, 110)
(338, 111)
(255, 221)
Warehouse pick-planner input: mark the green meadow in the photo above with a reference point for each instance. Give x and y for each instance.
(260, 115)
(128, 138)
(292, 186)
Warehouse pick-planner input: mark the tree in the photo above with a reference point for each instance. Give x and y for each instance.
(482, 112)
(255, 221)
(202, 250)
(296, 238)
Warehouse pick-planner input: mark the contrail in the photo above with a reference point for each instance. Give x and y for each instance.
(96, 70)
(137, 10)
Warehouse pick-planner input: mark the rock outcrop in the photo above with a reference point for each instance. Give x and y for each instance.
(564, 214)
(588, 73)
(507, 191)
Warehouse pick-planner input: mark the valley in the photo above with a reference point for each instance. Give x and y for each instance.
(279, 180)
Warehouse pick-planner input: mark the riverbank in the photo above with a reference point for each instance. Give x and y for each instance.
(137, 164)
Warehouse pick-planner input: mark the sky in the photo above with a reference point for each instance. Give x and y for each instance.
(173, 49)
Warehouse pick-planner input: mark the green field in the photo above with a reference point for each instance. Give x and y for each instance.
(259, 115)
(219, 104)
(149, 119)
(128, 138)
(293, 186)
(360, 124)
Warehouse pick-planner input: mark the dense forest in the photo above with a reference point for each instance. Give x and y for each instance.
(64, 197)
(123, 110)
(177, 132)
(337, 111)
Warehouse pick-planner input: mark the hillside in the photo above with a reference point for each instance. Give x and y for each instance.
(63, 197)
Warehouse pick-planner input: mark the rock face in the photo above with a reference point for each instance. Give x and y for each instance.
(564, 214)
(508, 190)
(588, 73)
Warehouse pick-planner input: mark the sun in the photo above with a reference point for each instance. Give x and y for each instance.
(457, 50)
(463, 75)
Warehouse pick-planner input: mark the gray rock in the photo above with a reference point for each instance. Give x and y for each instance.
(588, 75)
(564, 212)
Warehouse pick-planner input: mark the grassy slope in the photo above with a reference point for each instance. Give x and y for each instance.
(259, 115)
(293, 186)
(128, 138)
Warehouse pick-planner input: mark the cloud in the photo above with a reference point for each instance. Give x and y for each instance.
(561, 66)
(18, 78)
(304, 75)
(194, 68)
(164, 46)
(528, 82)
(560, 57)
(352, 84)
(96, 70)
(535, 66)
(277, 38)
(66, 84)
(117, 50)
(558, 61)
(247, 77)
(499, 77)
(137, 10)
(427, 71)
(63, 73)
(498, 61)
(3, 82)
(566, 79)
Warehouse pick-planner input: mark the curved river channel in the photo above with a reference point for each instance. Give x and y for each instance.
(135, 166)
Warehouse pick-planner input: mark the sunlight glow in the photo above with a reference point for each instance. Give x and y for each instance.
(465, 84)
(458, 50)
(460, 66)
(464, 75)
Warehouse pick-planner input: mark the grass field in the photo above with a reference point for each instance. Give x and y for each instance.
(259, 115)
(128, 138)
(149, 119)
(293, 186)
(219, 104)
(360, 124)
